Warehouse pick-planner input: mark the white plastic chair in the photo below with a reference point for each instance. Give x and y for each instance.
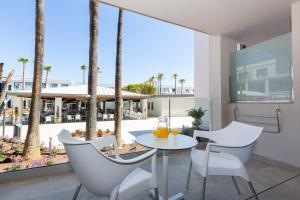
(230, 148)
(48, 119)
(99, 116)
(105, 117)
(69, 118)
(111, 116)
(115, 178)
(78, 117)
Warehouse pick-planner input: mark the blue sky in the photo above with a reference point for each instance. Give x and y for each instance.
(149, 46)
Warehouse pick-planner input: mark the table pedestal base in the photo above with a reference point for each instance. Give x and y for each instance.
(178, 196)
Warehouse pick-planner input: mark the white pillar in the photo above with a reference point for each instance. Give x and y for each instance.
(212, 66)
(58, 109)
(144, 108)
(130, 106)
(17, 105)
(201, 71)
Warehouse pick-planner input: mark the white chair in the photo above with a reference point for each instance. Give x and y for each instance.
(69, 118)
(77, 117)
(115, 178)
(111, 116)
(99, 115)
(48, 119)
(105, 117)
(230, 148)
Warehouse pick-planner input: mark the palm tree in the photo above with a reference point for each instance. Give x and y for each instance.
(151, 80)
(4, 86)
(32, 143)
(47, 69)
(99, 70)
(197, 115)
(174, 76)
(83, 68)
(160, 77)
(118, 80)
(181, 81)
(91, 120)
(23, 61)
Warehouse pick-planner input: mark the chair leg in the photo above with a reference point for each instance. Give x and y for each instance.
(189, 176)
(76, 192)
(156, 193)
(203, 188)
(253, 190)
(236, 185)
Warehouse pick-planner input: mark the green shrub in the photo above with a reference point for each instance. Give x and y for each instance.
(49, 162)
(197, 115)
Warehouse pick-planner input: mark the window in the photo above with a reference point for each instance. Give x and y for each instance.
(152, 105)
(53, 85)
(148, 106)
(28, 85)
(263, 72)
(64, 85)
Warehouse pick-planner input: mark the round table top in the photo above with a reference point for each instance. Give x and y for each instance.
(171, 143)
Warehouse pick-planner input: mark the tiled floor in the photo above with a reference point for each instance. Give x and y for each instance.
(272, 182)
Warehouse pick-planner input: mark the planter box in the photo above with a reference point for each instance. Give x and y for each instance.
(34, 172)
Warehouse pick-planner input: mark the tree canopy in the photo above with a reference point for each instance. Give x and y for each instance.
(142, 88)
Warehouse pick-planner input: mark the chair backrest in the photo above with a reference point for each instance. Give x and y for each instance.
(240, 136)
(69, 117)
(77, 117)
(98, 173)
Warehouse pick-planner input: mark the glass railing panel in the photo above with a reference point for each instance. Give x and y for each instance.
(263, 72)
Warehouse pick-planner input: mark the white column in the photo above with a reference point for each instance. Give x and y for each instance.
(17, 104)
(130, 106)
(212, 66)
(201, 71)
(144, 108)
(58, 109)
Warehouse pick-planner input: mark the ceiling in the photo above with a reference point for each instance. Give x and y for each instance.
(247, 21)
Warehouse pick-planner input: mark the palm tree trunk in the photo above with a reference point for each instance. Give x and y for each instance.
(175, 85)
(159, 87)
(32, 143)
(118, 80)
(23, 77)
(181, 89)
(91, 120)
(46, 81)
(83, 77)
(5, 88)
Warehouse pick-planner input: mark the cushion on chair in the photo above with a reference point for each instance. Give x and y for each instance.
(136, 182)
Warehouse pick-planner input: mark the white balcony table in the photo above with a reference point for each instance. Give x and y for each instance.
(178, 142)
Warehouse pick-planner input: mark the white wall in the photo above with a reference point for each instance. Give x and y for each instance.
(128, 127)
(179, 106)
(284, 146)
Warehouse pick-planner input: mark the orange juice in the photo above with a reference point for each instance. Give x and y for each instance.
(175, 131)
(164, 132)
(156, 132)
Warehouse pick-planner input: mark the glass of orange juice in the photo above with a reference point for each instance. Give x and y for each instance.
(156, 132)
(175, 131)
